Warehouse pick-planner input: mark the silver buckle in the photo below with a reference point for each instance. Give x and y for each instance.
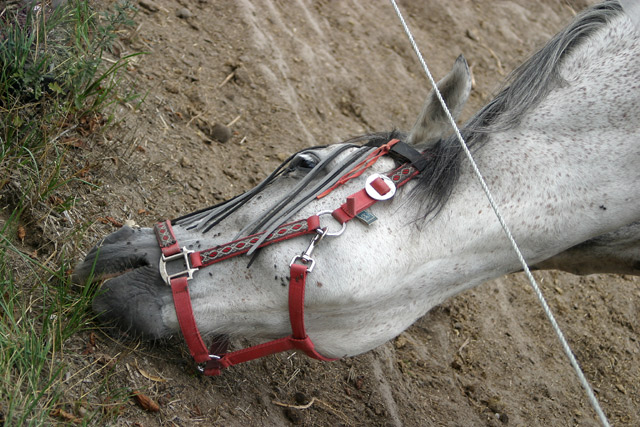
(372, 191)
(201, 366)
(305, 257)
(188, 271)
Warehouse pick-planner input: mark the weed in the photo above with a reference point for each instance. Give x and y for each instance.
(51, 79)
(53, 86)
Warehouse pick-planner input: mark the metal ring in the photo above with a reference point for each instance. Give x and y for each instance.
(372, 191)
(327, 233)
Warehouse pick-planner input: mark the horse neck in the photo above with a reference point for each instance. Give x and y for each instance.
(558, 180)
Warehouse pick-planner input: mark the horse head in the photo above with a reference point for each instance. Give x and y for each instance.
(231, 298)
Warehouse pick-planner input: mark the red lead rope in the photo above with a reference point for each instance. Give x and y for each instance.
(379, 188)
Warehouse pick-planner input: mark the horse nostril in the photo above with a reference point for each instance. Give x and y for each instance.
(105, 267)
(133, 303)
(140, 262)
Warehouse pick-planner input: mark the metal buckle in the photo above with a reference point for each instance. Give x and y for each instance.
(184, 255)
(372, 191)
(305, 257)
(202, 366)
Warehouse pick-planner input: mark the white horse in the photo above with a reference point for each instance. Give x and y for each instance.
(559, 147)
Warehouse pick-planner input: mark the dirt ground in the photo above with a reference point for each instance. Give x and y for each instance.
(283, 75)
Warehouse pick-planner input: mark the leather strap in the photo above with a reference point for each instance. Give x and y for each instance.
(357, 202)
(405, 153)
(237, 247)
(166, 239)
(361, 167)
(187, 321)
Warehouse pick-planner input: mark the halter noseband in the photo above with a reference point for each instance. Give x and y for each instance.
(211, 361)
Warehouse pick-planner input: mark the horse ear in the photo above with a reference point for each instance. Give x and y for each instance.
(432, 123)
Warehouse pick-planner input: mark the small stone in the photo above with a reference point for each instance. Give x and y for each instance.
(145, 4)
(293, 415)
(186, 162)
(221, 133)
(494, 404)
(241, 76)
(472, 35)
(300, 398)
(172, 87)
(184, 13)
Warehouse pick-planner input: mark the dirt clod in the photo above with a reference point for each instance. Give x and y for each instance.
(221, 133)
(293, 415)
(148, 5)
(184, 13)
(300, 398)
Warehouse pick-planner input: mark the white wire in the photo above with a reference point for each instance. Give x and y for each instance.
(494, 206)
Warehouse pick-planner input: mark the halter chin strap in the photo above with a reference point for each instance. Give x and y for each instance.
(211, 361)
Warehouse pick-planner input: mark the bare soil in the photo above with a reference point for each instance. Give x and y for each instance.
(284, 75)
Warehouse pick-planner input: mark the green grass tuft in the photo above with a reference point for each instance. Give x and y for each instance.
(53, 81)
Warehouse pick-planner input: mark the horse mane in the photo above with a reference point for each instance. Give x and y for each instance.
(523, 90)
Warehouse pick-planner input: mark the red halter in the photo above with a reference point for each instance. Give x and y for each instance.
(378, 187)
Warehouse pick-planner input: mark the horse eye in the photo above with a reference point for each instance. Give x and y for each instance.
(305, 161)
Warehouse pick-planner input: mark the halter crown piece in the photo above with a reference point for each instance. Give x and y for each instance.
(211, 361)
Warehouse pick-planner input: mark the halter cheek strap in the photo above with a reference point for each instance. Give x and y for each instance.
(212, 361)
